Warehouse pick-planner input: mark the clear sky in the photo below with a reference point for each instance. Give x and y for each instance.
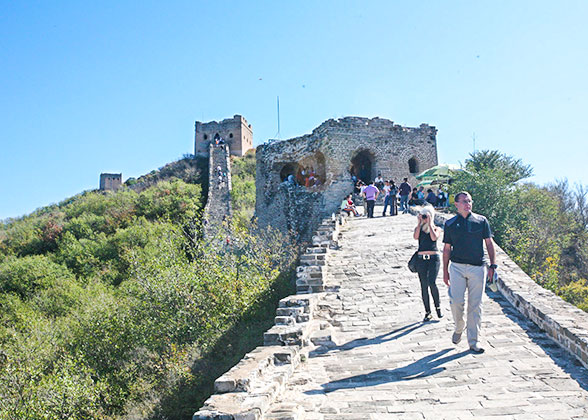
(115, 86)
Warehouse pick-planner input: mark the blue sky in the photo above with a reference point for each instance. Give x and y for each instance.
(115, 86)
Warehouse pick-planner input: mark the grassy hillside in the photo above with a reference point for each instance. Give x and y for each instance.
(111, 306)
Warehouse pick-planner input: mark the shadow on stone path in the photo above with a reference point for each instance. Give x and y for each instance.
(426, 366)
(365, 341)
(382, 362)
(550, 347)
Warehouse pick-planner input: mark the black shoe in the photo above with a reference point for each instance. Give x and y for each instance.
(439, 314)
(477, 350)
(427, 317)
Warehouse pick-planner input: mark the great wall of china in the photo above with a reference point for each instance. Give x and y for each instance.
(351, 344)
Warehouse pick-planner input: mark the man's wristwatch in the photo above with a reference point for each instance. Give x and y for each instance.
(493, 266)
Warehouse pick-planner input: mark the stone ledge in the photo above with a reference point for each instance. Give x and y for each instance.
(246, 391)
(562, 321)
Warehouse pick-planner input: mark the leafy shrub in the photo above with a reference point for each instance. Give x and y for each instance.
(243, 188)
(576, 293)
(543, 229)
(25, 276)
(106, 299)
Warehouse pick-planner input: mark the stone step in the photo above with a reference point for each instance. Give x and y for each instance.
(290, 335)
(285, 411)
(246, 391)
(323, 336)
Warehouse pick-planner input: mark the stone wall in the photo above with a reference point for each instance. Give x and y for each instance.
(217, 211)
(248, 389)
(110, 182)
(236, 132)
(335, 149)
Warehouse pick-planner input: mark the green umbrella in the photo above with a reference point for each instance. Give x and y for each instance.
(433, 182)
(444, 170)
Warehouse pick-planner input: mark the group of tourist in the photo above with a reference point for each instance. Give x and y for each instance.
(418, 197)
(464, 267)
(408, 196)
(306, 176)
(219, 142)
(221, 177)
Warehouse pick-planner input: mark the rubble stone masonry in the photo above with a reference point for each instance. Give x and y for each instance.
(335, 151)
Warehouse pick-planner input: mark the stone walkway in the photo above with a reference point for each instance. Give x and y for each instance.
(384, 363)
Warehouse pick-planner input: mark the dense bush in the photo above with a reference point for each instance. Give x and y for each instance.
(243, 184)
(111, 307)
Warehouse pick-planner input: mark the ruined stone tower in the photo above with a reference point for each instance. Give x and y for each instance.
(333, 152)
(236, 132)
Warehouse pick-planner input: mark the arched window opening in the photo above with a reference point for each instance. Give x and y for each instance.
(413, 166)
(217, 136)
(205, 137)
(312, 171)
(230, 135)
(288, 169)
(362, 166)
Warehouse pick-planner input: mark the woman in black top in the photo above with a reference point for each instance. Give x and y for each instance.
(428, 262)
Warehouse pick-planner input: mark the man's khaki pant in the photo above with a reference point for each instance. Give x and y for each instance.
(472, 278)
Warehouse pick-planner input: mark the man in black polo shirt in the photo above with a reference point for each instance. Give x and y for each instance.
(405, 189)
(463, 238)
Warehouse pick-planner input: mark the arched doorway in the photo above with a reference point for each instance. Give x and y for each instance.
(288, 169)
(362, 166)
(413, 165)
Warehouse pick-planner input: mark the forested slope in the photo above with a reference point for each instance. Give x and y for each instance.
(111, 306)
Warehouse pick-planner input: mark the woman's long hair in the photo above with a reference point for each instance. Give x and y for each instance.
(430, 212)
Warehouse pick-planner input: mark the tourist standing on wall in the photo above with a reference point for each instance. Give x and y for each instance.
(387, 198)
(371, 194)
(428, 261)
(379, 182)
(405, 189)
(394, 198)
(362, 187)
(441, 197)
(464, 236)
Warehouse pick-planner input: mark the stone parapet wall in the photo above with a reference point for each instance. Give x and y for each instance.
(247, 390)
(562, 321)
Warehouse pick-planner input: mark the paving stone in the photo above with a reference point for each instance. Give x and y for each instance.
(387, 364)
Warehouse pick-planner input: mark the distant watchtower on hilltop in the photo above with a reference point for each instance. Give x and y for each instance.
(236, 132)
(110, 182)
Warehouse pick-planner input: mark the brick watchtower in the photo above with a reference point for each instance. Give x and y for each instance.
(236, 132)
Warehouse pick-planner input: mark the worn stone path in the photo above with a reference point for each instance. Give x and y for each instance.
(384, 363)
